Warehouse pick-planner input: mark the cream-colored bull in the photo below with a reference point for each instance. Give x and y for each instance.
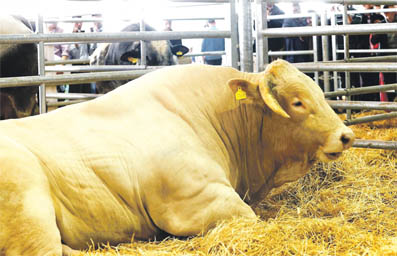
(172, 151)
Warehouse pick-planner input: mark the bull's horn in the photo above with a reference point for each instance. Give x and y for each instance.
(269, 98)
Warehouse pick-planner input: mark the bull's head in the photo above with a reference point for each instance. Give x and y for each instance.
(297, 104)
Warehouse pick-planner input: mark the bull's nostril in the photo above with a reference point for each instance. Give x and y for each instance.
(345, 138)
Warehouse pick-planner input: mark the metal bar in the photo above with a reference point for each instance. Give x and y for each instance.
(183, 19)
(285, 53)
(352, 67)
(111, 37)
(72, 61)
(72, 96)
(346, 56)
(99, 68)
(325, 43)
(375, 2)
(334, 48)
(349, 2)
(390, 58)
(332, 30)
(362, 90)
(205, 53)
(234, 34)
(315, 48)
(40, 64)
(71, 78)
(73, 20)
(373, 118)
(261, 42)
(375, 144)
(245, 34)
(370, 51)
(143, 44)
(359, 105)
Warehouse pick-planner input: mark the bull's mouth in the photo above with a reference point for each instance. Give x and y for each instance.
(333, 155)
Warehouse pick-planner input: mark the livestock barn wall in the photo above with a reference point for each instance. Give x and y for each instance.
(344, 208)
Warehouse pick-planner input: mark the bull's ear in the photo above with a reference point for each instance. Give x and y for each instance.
(243, 89)
(268, 97)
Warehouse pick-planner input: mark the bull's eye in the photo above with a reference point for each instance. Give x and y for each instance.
(297, 104)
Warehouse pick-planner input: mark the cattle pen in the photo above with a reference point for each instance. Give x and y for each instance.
(343, 208)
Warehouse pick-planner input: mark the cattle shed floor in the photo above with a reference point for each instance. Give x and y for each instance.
(348, 207)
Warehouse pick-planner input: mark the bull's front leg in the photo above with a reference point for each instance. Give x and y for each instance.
(191, 200)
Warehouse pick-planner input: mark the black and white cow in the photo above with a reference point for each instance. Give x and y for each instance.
(158, 53)
(17, 60)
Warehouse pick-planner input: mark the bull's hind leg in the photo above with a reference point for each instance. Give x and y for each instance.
(27, 215)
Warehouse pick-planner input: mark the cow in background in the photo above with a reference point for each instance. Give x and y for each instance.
(17, 60)
(158, 53)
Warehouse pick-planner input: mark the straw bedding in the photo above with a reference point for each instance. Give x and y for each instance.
(348, 207)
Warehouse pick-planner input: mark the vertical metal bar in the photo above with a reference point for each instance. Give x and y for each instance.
(346, 57)
(315, 48)
(234, 33)
(41, 67)
(245, 34)
(143, 43)
(334, 48)
(261, 42)
(325, 45)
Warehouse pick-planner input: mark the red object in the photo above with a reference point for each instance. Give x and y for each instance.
(383, 95)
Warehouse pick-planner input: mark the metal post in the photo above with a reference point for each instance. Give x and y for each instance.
(334, 48)
(245, 35)
(346, 58)
(325, 44)
(315, 48)
(234, 34)
(41, 67)
(261, 43)
(143, 44)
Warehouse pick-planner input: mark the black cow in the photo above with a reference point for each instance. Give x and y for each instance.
(158, 53)
(17, 60)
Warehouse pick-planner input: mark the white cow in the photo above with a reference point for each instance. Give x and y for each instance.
(174, 151)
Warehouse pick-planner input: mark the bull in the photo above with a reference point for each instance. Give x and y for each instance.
(205, 144)
(17, 60)
(159, 53)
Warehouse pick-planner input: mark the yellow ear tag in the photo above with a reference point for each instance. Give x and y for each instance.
(240, 94)
(179, 53)
(133, 60)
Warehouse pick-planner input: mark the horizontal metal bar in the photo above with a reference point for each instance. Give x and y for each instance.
(376, 144)
(62, 62)
(111, 37)
(73, 20)
(330, 30)
(352, 67)
(389, 58)
(70, 78)
(362, 90)
(285, 53)
(369, 51)
(358, 105)
(95, 68)
(72, 96)
(205, 53)
(183, 19)
(352, 2)
(367, 119)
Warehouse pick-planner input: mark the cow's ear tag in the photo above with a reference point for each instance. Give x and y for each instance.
(133, 60)
(179, 53)
(240, 94)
